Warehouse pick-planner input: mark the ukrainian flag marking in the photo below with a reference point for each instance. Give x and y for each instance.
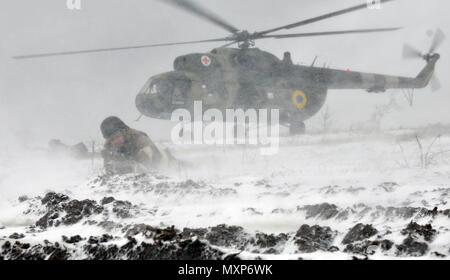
(299, 99)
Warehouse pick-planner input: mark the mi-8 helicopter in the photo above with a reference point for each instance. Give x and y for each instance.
(247, 77)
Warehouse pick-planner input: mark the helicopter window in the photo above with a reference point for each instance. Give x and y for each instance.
(183, 84)
(153, 89)
(161, 87)
(146, 88)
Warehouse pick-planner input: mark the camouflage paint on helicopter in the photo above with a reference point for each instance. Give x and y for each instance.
(252, 78)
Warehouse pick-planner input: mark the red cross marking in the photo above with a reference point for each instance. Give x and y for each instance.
(206, 60)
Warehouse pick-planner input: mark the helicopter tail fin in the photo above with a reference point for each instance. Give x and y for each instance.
(424, 77)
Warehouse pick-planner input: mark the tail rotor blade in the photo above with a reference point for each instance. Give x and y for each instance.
(439, 37)
(410, 52)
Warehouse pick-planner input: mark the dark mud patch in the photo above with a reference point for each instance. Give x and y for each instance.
(323, 211)
(359, 232)
(312, 238)
(62, 210)
(416, 242)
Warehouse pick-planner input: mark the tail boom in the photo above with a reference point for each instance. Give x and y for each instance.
(338, 79)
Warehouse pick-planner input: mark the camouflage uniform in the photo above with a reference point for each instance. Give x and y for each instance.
(127, 150)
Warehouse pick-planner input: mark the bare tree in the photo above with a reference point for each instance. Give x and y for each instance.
(382, 109)
(427, 156)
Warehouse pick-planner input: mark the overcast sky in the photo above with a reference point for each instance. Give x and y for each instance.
(67, 97)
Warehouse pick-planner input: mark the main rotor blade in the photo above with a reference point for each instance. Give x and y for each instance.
(116, 49)
(437, 40)
(282, 36)
(228, 44)
(410, 52)
(319, 18)
(194, 8)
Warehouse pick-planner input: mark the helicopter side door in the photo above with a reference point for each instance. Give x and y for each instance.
(255, 78)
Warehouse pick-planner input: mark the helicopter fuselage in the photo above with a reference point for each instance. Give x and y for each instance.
(229, 78)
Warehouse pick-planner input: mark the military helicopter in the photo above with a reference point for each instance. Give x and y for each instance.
(247, 77)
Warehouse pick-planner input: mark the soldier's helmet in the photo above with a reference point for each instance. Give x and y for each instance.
(110, 125)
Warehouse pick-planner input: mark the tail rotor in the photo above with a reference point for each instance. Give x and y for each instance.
(410, 52)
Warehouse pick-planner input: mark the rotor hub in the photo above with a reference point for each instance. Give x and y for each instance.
(430, 56)
(244, 39)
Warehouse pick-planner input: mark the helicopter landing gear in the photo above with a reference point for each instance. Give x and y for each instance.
(297, 128)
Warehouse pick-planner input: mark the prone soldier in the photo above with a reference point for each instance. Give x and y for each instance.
(128, 150)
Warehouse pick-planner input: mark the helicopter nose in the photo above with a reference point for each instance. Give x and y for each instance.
(154, 99)
(163, 94)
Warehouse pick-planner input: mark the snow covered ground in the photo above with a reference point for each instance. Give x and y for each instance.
(336, 181)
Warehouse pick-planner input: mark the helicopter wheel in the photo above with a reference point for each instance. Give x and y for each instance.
(297, 128)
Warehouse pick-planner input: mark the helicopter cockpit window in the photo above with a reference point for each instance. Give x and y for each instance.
(146, 88)
(161, 87)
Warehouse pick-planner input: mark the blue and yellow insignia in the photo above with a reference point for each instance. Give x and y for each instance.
(299, 99)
